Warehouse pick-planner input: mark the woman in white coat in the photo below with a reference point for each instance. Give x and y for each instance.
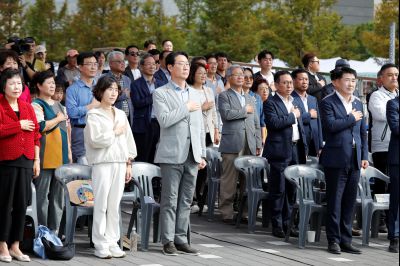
(110, 148)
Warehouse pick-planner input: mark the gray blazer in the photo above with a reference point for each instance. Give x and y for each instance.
(175, 134)
(236, 124)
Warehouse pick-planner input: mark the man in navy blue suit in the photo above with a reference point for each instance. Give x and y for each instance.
(344, 153)
(392, 115)
(285, 132)
(309, 113)
(162, 74)
(145, 127)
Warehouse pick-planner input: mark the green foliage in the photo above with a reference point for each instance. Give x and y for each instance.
(11, 17)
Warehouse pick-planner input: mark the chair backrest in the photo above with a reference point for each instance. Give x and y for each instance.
(303, 177)
(144, 174)
(312, 160)
(253, 167)
(214, 167)
(364, 183)
(70, 172)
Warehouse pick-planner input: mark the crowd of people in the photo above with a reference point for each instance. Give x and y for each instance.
(164, 109)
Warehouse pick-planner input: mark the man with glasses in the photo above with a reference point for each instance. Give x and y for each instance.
(180, 152)
(116, 61)
(132, 55)
(79, 100)
(145, 127)
(265, 59)
(285, 133)
(315, 80)
(241, 135)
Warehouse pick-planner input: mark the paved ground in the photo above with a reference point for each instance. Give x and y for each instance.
(222, 244)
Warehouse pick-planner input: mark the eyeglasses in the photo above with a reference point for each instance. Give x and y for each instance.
(119, 61)
(134, 54)
(91, 64)
(237, 75)
(181, 64)
(149, 64)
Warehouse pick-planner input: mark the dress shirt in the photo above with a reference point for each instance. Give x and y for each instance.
(241, 97)
(289, 105)
(347, 105)
(135, 73)
(78, 96)
(166, 72)
(183, 93)
(152, 87)
(304, 100)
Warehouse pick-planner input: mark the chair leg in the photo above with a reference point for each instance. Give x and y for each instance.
(318, 229)
(366, 225)
(156, 227)
(240, 213)
(265, 214)
(146, 220)
(375, 223)
(212, 190)
(252, 202)
(304, 219)
(70, 226)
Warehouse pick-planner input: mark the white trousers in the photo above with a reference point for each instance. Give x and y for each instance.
(108, 180)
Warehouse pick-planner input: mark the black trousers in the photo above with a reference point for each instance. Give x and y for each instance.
(146, 143)
(394, 200)
(341, 193)
(282, 195)
(380, 162)
(15, 197)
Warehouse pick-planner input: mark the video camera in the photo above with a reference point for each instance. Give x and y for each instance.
(21, 45)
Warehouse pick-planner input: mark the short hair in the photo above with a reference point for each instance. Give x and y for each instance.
(162, 54)
(192, 73)
(144, 57)
(8, 54)
(345, 70)
(263, 53)
(197, 58)
(147, 43)
(102, 84)
(98, 53)
(164, 41)
(129, 47)
(208, 56)
(60, 86)
(298, 71)
(334, 73)
(248, 69)
(6, 75)
(154, 52)
(112, 54)
(170, 60)
(221, 54)
(383, 68)
(280, 73)
(230, 69)
(307, 58)
(257, 82)
(83, 55)
(39, 78)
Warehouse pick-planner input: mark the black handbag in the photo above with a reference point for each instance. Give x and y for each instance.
(54, 252)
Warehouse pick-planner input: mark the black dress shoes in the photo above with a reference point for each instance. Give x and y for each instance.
(349, 248)
(294, 233)
(394, 245)
(333, 248)
(278, 232)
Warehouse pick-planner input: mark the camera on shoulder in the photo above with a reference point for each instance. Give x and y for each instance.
(21, 46)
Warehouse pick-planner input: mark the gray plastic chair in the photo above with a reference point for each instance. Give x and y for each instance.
(31, 210)
(214, 171)
(143, 200)
(303, 177)
(65, 174)
(368, 206)
(314, 162)
(253, 168)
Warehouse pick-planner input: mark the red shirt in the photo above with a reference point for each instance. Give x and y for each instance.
(15, 142)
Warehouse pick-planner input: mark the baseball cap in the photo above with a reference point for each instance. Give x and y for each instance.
(342, 63)
(40, 49)
(72, 53)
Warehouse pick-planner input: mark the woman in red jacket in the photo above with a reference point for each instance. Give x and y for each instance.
(19, 162)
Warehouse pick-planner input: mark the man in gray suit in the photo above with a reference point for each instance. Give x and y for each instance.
(241, 135)
(180, 152)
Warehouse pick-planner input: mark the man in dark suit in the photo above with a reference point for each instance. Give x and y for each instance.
(392, 115)
(162, 73)
(241, 135)
(132, 55)
(309, 113)
(285, 132)
(316, 81)
(344, 153)
(145, 127)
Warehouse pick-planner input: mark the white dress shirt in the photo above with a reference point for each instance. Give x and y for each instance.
(289, 106)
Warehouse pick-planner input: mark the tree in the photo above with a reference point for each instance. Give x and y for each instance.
(48, 26)
(377, 40)
(226, 26)
(290, 28)
(11, 17)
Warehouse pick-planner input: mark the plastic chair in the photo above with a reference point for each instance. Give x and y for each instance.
(31, 210)
(303, 177)
(214, 171)
(368, 205)
(314, 162)
(65, 174)
(253, 167)
(142, 198)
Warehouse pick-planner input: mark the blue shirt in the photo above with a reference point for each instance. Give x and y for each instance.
(151, 85)
(183, 93)
(241, 97)
(259, 105)
(78, 95)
